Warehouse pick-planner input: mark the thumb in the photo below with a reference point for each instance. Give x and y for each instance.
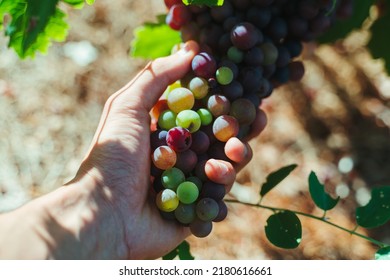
(151, 82)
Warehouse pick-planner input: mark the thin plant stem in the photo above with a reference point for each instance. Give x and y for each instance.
(322, 219)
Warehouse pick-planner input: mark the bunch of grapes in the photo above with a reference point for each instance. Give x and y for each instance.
(248, 47)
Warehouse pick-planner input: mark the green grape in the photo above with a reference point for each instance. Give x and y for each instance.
(235, 55)
(167, 200)
(164, 157)
(224, 75)
(205, 116)
(180, 99)
(172, 178)
(207, 209)
(270, 53)
(243, 110)
(187, 192)
(199, 87)
(189, 119)
(185, 213)
(167, 120)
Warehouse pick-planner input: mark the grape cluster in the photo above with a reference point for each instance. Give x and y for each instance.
(248, 47)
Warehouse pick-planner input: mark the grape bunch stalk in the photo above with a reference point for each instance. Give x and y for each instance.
(247, 49)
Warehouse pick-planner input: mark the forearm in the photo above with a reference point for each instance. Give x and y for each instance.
(62, 225)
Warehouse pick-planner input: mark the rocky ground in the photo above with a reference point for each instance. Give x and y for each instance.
(335, 122)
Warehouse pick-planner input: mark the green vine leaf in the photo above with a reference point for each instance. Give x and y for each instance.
(204, 2)
(284, 230)
(320, 197)
(383, 254)
(342, 28)
(377, 211)
(379, 42)
(153, 40)
(275, 178)
(34, 25)
(182, 250)
(77, 4)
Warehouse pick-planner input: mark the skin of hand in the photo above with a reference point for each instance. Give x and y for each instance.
(106, 211)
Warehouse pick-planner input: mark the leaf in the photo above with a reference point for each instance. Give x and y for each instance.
(341, 28)
(377, 211)
(284, 230)
(153, 40)
(182, 250)
(320, 197)
(34, 24)
(383, 254)
(204, 2)
(77, 4)
(275, 178)
(379, 42)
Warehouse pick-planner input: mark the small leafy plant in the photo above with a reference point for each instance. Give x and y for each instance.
(284, 229)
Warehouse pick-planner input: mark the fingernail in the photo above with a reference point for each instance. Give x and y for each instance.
(223, 170)
(186, 48)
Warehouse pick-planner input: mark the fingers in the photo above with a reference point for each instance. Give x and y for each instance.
(239, 152)
(151, 82)
(221, 172)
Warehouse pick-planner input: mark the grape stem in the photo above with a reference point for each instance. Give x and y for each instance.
(322, 219)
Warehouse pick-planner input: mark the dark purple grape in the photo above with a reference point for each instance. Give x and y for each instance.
(233, 90)
(260, 17)
(277, 29)
(223, 211)
(200, 228)
(284, 56)
(217, 151)
(254, 57)
(213, 190)
(200, 142)
(221, 13)
(186, 161)
(294, 47)
(158, 138)
(170, 3)
(245, 36)
(204, 65)
(297, 27)
(308, 9)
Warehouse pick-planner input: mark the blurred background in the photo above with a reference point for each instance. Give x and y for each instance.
(335, 122)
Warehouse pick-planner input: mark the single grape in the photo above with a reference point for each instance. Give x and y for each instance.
(233, 90)
(167, 120)
(235, 55)
(164, 157)
(206, 209)
(222, 213)
(245, 36)
(213, 190)
(187, 192)
(225, 127)
(170, 3)
(189, 119)
(297, 70)
(167, 200)
(158, 138)
(200, 142)
(185, 213)
(199, 87)
(172, 178)
(224, 75)
(205, 115)
(180, 99)
(186, 161)
(243, 110)
(178, 16)
(179, 139)
(270, 53)
(204, 65)
(201, 228)
(218, 105)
